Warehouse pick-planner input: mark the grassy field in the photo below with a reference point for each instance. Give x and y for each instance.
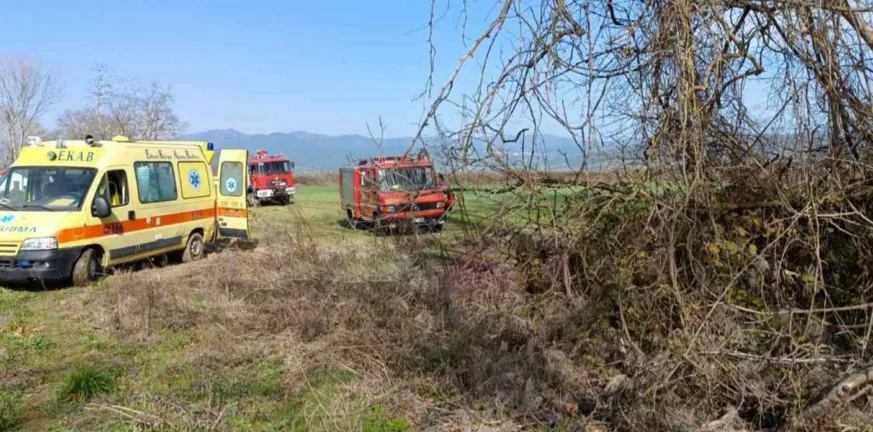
(239, 341)
(325, 328)
(317, 214)
(68, 361)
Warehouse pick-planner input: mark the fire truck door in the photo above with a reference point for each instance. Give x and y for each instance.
(233, 220)
(369, 193)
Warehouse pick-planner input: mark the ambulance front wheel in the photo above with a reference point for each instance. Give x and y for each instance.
(87, 268)
(194, 249)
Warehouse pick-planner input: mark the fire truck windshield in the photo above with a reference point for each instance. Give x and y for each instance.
(281, 167)
(406, 179)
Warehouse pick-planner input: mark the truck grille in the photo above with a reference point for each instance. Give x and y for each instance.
(277, 183)
(418, 207)
(8, 248)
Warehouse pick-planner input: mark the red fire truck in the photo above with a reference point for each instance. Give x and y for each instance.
(271, 179)
(388, 192)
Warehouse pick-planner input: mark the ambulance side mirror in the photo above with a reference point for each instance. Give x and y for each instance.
(101, 208)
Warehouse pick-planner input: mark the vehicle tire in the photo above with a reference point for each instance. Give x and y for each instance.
(438, 227)
(86, 269)
(195, 248)
(284, 201)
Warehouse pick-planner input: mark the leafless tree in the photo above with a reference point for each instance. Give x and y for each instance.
(670, 81)
(156, 118)
(123, 107)
(27, 90)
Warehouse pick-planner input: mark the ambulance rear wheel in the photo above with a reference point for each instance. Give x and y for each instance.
(194, 249)
(87, 268)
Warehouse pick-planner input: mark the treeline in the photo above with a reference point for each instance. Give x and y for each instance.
(116, 105)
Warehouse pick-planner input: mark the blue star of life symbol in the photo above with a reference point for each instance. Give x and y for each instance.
(7, 219)
(231, 185)
(194, 178)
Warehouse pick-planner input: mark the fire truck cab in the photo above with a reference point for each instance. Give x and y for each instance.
(386, 192)
(271, 179)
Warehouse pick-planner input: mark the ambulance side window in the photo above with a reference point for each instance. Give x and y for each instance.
(156, 182)
(114, 188)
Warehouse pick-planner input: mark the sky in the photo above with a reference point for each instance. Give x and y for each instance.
(259, 66)
(327, 67)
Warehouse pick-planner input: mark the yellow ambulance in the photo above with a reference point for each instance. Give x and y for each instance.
(69, 209)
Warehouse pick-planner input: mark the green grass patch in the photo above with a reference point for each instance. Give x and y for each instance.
(325, 402)
(8, 411)
(376, 420)
(87, 382)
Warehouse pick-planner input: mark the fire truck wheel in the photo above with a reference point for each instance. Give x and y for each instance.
(284, 201)
(195, 248)
(438, 227)
(86, 269)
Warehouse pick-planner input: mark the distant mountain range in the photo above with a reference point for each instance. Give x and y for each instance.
(314, 152)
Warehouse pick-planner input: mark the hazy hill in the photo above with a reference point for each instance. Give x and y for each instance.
(322, 152)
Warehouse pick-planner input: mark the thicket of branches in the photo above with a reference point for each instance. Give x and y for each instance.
(729, 262)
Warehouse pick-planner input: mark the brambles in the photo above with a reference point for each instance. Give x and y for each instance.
(720, 267)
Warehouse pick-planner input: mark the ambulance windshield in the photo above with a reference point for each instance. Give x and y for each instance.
(45, 188)
(406, 179)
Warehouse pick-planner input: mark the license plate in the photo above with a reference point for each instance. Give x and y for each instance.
(418, 220)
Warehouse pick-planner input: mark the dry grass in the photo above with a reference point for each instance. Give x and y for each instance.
(460, 340)
(317, 179)
(573, 330)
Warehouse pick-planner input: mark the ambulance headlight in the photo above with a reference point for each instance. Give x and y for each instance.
(43, 243)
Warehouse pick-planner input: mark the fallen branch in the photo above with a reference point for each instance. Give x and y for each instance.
(862, 306)
(845, 391)
(784, 360)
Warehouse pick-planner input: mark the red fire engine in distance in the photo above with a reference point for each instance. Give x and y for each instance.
(271, 179)
(391, 191)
